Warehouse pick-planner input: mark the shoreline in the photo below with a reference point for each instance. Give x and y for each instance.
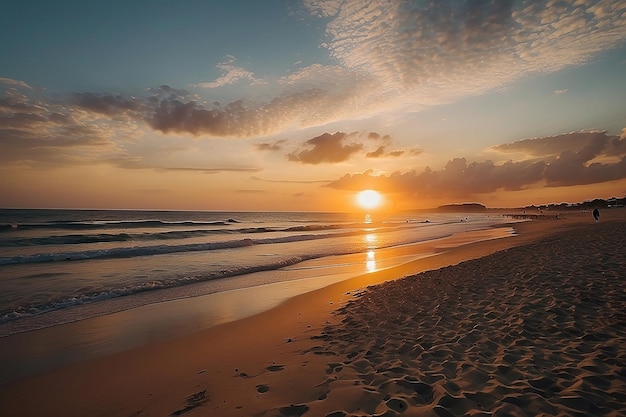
(269, 360)
(162, 318)
(76, 311)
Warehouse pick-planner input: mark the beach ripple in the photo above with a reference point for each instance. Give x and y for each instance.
(533, 330)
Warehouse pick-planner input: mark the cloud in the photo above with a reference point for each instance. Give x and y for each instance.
(332, 147)
(15, 83)
(396, 153)
(575, 142)
(415, 151)
(381, 152)
(33, 131)
(231, 74)
(377, 153)
(243, 119)
(556, 166)
(326, 148)
(276, 146)
(433, 52)
(108, 104)
(560, 92)
(82, 129)
(388, 56)
(395, 54)
(323, 8)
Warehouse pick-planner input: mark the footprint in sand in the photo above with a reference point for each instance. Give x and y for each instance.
(294, 410)
(193, 401)
(262, 389)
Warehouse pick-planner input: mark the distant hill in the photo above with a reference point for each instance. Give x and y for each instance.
(462, 208)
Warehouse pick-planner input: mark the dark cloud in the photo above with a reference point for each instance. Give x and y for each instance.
(460, 179)
(275, 146)
(377, 153)
(396, 154)
(326, 148)
(310, 107)
(381, 152)
(190, 117)
(578, 168)
(107, 104)
(554, 145)
(333, 147)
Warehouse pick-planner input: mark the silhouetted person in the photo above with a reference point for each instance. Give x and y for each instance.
(596, 215)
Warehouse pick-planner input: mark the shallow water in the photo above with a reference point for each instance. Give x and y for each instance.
(57, 260)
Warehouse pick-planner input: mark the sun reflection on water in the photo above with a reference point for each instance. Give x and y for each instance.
(370, 240)
(370, 260)
(370, 263)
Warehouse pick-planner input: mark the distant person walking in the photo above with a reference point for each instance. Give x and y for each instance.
(596, 215)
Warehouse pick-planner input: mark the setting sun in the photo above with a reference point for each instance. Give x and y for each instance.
(369, 199)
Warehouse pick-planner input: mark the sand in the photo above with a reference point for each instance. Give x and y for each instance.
(535, 330)
(531, 325)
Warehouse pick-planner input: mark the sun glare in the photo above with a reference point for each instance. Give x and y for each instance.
(369, 199)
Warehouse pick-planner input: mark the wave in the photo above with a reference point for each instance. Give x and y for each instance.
(76, 239)
(136, 251)
(108, 224)
(80, 299)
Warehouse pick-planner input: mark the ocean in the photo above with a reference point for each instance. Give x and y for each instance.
(58, 260)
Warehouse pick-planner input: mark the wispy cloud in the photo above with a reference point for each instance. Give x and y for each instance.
(231, 74)
(273, 147)
(551, 146)
(16, 83)
(108, 104)
(37, 132)
(439, 51)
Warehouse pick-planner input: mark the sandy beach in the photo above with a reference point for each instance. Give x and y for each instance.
(523, 326)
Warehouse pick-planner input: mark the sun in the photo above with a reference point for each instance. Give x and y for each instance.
(369, 199)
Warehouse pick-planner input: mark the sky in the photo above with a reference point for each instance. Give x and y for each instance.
(291, 105)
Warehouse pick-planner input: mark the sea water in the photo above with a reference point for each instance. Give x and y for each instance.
(56, 260)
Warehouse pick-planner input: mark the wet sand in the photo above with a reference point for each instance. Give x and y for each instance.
(536, 328)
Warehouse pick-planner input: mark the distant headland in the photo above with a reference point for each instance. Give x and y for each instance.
(461, 208)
